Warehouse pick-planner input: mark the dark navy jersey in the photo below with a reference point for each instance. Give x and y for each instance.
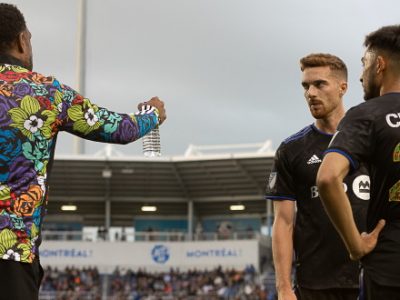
(322, 260)
(370, 133)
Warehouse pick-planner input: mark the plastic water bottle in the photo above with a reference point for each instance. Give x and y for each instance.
(151, 143)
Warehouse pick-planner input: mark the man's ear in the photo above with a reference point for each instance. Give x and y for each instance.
(380, 64)
(343, 88)
(21, 42)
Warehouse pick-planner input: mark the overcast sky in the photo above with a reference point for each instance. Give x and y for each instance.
(227, 70)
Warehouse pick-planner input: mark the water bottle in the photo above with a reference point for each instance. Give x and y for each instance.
(151, 143)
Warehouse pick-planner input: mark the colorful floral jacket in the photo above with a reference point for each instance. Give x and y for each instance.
(33, 109)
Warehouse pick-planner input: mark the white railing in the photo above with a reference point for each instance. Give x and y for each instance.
(201, 150)
(51, 235)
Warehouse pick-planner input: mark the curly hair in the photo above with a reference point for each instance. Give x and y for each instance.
(12, 23)
(323, 60)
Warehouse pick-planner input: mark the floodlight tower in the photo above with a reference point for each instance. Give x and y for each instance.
(79, 146)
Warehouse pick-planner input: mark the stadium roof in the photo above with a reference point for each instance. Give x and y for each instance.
(212, 182)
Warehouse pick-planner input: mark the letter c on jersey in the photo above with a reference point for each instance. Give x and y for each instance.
(393, 120)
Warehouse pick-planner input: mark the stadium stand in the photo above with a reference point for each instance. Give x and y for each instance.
(192, 222)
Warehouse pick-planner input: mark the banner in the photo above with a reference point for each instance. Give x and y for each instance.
(153, 256)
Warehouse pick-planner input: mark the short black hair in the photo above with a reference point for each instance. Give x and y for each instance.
(12, 23)
(386, 39)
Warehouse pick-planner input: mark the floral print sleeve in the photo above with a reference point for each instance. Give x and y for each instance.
(79, 116)
(33, 109)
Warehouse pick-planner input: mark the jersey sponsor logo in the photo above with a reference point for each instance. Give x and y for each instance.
(361, 187)
(272, 180)
(393, 120)
(314, 160)
(315, 193)
(396, 153)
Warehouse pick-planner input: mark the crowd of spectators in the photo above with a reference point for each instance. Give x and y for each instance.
(215, 284)
(193, 284)
(72, 283)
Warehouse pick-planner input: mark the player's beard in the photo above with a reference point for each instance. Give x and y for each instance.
(318, 114)
(371, 87)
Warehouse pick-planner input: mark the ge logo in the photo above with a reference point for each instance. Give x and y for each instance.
(361, 187)
(160, 254)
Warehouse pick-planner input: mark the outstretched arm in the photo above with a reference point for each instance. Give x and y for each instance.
(79, 116)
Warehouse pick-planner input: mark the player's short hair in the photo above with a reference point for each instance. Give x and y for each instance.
(324, 60)
(387, 40)
(12, 23)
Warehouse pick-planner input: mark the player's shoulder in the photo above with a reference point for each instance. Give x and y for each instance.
(298, 136)
(372, 106)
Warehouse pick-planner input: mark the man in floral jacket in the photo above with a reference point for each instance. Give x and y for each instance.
(33, 109)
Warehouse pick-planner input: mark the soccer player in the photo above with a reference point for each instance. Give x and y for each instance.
(370, 133)
(323, 268)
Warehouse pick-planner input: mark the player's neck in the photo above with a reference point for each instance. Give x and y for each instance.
(390, 86)
(330, 123)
